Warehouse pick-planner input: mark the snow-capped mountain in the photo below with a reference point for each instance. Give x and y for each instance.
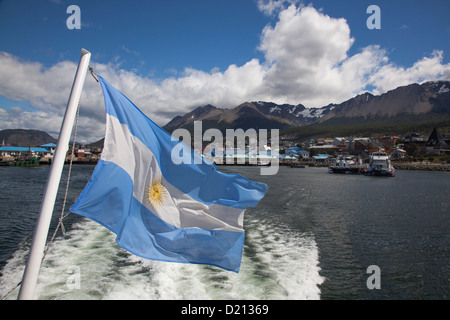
(428, 98)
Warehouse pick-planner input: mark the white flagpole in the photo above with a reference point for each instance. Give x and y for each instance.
(31, 272)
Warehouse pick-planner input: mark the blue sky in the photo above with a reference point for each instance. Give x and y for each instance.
(159, 37)
(154, 37)
(169, 56)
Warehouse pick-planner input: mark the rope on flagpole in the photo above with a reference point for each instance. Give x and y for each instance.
(62, 216)
(93, 73)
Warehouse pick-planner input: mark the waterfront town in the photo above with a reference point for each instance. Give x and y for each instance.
(413, 151)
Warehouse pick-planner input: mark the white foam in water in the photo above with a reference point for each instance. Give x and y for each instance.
(87, 264)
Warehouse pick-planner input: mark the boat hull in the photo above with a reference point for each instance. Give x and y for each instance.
(341, 170)
(380, 173)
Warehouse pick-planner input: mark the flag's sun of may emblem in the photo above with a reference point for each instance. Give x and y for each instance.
(156, 193)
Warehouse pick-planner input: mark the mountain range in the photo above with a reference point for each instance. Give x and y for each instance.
(411, 108)
(411, 103)
(25, 138)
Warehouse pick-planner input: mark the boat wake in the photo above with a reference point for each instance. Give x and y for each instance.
(87, 264)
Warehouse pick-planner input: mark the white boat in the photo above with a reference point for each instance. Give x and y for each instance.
(380, 165)
(345, 164)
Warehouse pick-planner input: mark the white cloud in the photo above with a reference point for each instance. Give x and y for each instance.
(390, 76)
(29, 81)
(3, 112)
(304, 50)
(47, 90)
(270, 7)
(307, 53)
(306, 61)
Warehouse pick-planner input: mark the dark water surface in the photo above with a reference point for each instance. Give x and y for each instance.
(312, 237)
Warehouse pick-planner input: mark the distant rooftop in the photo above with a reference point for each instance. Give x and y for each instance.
(23, 149)
(49, 145)
(321, 156)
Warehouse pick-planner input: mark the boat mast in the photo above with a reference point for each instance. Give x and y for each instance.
(31, 272)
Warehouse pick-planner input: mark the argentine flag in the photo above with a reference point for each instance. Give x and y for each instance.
(159, 210)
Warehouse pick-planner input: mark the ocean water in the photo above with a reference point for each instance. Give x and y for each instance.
(313, 236)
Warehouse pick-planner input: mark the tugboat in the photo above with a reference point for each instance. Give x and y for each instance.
(380, 165)
(25, 162)
(345, 164)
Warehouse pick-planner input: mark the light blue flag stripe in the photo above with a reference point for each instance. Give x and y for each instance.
(201, 221)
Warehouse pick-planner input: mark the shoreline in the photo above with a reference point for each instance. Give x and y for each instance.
(398, 165)
(418, 166)
(421, 166)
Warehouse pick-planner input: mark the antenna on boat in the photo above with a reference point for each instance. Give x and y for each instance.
(31, 272)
